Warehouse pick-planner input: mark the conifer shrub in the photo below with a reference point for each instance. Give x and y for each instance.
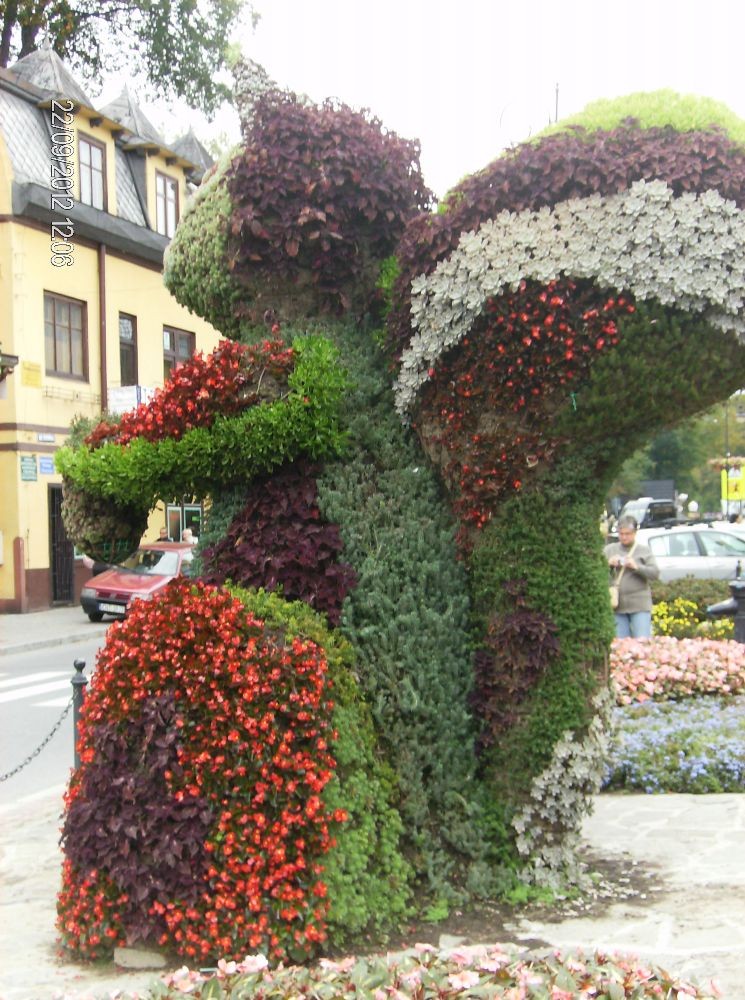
(408, 621)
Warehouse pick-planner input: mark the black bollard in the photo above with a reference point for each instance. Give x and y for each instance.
(78, 697)
(737, 589)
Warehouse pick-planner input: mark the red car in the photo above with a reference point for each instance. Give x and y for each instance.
(143, 574)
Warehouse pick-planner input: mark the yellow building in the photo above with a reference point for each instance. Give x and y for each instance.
(88, 202)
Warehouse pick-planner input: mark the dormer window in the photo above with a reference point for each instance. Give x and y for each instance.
(166, 204)
(92, 160)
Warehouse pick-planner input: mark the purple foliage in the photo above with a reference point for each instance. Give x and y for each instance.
(127, 822)
(319, 194)
(279, 539)
(519, 647)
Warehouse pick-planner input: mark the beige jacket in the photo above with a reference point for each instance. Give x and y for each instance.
(635, 591)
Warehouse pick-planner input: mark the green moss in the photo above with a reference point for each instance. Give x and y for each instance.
(196, 268)
(654, 109)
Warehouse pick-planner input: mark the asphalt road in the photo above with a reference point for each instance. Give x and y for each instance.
(34, 690)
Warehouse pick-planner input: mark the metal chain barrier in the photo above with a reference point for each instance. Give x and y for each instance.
(58, 723)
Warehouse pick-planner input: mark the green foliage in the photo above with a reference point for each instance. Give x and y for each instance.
(523, 893)
(659, 348)
(366, 875)
(305, 422)
(437, 912)
(407, 618)
(195, 268)
(689, 588)
(654, 109)
(104, 34)
(547, 538)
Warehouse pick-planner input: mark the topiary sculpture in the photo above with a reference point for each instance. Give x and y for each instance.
(295, 223)
(577, 295)
(582, 291)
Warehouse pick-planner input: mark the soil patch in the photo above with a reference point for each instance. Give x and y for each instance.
(613, 880)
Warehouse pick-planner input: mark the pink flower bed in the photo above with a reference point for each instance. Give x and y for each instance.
(665, 668)
(426, 972)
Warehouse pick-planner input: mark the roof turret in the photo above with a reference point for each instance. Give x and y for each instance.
(192, 149)
(45, 70)
(125, 110)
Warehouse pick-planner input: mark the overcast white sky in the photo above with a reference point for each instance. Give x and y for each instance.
(469, 77)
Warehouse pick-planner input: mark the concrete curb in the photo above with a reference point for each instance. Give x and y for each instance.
(9, 649)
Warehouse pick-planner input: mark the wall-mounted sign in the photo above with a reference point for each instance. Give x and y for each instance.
(45, 436)
(28, 468)
(123, 398)
(31, 374)
(46, 465)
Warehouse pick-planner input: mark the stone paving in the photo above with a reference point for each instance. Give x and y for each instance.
(694, 924)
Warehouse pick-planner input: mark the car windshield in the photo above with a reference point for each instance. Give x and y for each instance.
(153, 562)
(717, 544)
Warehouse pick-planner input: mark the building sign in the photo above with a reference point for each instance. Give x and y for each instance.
(733, 485)
(46, 465)
(126, 397)
(31, 374)
(45, 436)
(28, 468)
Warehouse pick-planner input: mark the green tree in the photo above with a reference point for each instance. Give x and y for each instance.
(683, 454)
(179, 46)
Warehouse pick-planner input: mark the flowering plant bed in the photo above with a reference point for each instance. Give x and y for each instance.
(196, 819)
(666, 668)
(680, 716)
(694, 745)
(429, 973)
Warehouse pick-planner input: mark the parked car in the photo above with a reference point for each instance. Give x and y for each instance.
(142, 575)
(706, 551)
(648, 512)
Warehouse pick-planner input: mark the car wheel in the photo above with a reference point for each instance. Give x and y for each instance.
(95, 616)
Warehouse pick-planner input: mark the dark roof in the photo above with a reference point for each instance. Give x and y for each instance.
(125, 110)
(25, 91)
(192, 149)
(45, 70)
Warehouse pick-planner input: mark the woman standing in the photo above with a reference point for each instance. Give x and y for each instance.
(633, 567)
